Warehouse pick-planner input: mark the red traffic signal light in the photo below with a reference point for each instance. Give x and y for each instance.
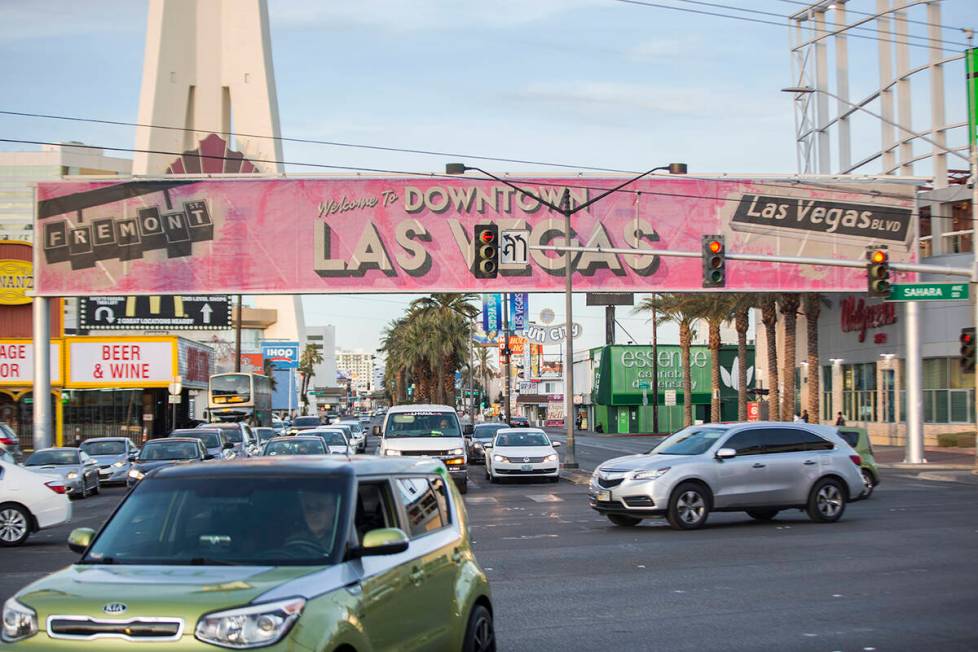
(967, 340)
(487, 236)
(879, 256)
(878, 272)
(485, 258)
(715, 246)
(714, 261)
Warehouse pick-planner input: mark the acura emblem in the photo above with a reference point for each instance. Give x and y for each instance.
(114, 608)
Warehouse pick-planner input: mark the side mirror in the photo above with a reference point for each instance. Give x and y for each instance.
(385, 541)
(726, 453)
(133, 455)
(555, 444)
(468, 429)
(376, 431)
(228, 445)
(80, 539)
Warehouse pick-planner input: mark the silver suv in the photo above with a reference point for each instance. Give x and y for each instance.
(758, 468)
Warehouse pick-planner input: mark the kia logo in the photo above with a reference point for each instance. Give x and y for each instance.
(114, 608)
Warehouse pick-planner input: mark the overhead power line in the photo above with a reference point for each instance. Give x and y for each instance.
(761, 21)
(902, 19)
(883, 210)
(756, 182)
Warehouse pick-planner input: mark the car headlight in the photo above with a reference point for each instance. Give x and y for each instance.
(19, 621)
(391, 452)
(119, 464)
(455, 451)
(550, 458)
(477, 446)
(253, 626)
(500, 458)
(136, 474)
(650, 475)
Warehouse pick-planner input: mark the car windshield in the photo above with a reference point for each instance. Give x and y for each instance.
(168, 450)
(211, 438)
(294, 446)
(53, 457)
(224, 520)
(231, 430)
(104, 447)
(305, 422)
(522, 439)
(688, 441)
(354, 426)
(487, 432)
(422, 424)
(332, 437)
(264, 434)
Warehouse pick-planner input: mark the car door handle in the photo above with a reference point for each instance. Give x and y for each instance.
(808, 462)
(758, 465)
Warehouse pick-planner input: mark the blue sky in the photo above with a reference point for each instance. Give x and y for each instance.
(587, 82)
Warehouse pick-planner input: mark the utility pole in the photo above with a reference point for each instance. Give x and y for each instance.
(237, 338)
(471, 371)
(655, 368)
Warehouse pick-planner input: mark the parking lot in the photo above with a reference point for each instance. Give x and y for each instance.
(897, 573)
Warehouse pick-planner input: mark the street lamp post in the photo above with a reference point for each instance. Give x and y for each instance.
(565, 209)
(915, 438)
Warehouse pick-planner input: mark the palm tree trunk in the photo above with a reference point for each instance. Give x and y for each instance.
(789, 310)
(714, 327)
(741, 322)
(685, 337)
(769, 316)
(813, 307)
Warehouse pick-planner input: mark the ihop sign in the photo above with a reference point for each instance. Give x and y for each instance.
(282, 355)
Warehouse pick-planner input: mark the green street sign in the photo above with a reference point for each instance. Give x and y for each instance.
(644, 384)
(929, 292)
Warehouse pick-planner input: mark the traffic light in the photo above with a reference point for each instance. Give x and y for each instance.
(878, 272)
(967, 340)
(485, 261)
(714, 262)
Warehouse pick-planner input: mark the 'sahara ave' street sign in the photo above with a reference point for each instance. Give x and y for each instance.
(929, 292)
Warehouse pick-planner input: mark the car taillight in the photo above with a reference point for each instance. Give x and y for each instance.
(56, 487)
(858, 461)
(7, 441)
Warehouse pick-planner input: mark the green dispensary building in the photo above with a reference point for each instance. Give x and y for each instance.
(621, 394)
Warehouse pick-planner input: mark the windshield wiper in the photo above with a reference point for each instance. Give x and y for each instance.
(205, 561)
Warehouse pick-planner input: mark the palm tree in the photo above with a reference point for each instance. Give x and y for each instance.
(789, 304)
(684, 310)
(485, 369)
(813, 308)
(395, 370)
(311, 356)
(448, 314)
(716, 309)
(742, 308)
(769, 317)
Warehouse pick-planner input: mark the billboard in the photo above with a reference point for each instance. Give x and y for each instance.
(404, 234)
(207, 312)
(283, 355)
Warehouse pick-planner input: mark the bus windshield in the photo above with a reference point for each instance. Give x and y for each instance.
(232, 385)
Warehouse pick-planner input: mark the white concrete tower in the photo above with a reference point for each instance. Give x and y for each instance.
(208, 70)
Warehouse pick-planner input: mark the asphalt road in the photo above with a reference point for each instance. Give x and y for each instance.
(897, 573)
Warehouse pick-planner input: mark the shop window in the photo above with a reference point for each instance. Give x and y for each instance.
(859, 399)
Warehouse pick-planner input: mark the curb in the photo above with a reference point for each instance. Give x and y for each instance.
(927, 467)
(576, 476)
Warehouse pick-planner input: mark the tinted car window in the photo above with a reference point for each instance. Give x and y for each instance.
(851, 437)
(688, 441)
(790, 440)
(231, 430)
(426, 509)
(169, 450)
(487, 431)
(305, 422)
(747, 442)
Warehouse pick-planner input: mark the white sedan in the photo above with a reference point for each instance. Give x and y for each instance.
(522, 452)
(30, 502)
(334, 439)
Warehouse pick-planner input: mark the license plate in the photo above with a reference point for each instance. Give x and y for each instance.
(527, 467)
(105, 472)
(604, 496)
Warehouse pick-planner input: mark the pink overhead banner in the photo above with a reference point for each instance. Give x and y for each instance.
(339, 235)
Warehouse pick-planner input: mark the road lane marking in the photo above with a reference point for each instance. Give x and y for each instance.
(545, 498)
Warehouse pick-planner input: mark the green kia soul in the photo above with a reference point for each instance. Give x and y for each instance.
(302, 553)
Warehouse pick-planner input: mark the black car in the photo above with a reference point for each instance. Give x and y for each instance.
(519, 422)
(483, 434)
(215, 441)
(157, 453)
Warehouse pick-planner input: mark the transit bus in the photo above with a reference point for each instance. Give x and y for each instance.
(238, 396)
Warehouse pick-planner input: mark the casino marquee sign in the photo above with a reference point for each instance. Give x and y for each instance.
(209, 236)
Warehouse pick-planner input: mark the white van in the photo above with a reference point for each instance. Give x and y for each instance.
(428, 430)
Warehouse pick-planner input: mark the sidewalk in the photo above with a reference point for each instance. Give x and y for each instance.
(937, 458)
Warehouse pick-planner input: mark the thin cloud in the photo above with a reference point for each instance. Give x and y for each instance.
(20, 20)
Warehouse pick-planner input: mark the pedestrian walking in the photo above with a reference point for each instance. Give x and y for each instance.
(840, 420)
(796, 419)
(804, 416)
